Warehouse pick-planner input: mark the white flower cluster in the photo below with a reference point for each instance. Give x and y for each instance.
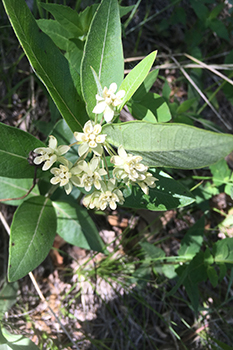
(92, 176)
(107, 104)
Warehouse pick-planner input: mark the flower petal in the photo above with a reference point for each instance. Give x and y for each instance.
(113, 88)
(98, 150)
(99, 108)
(78, 135)
(108, 114)
(68, 188)
(83, 148)
(120, 94)
(88, 127)
(97, 129)
(52, 142)
(122, 153)
(62, 149)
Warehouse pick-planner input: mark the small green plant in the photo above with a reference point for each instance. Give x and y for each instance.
(92, 160)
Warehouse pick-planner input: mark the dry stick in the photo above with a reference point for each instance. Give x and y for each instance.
(7, 228)
(200, 93)
(210, 68)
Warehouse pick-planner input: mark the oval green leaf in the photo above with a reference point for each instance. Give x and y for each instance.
(32, 234)
(48, 63)
(170, 145)
(76, 227)
(103, 52)
(15, 146)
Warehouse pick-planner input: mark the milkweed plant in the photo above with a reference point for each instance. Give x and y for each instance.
(92, 159)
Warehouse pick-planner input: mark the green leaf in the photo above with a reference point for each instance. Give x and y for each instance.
(86, 17)
(219, 28)
(32, 233)
(146, 85)
(168, 194)
(74, 55)
(13, 188)
(192, 241)
(8, 296)
(196, 272)
(170, 145)
(212, 275)
(221, 172)
(15, 341)
(185, 106)
(68, 18)
(158, 106)
(125, 9)
(76, 227)
(56, 32)
(223, 251)
(103, 52)
(222, 346)
(141, 112)
(208, 257)
(48, 63)
(15, 146)
(136, 77)
(200, 9)
(222, 271)
(151, 251)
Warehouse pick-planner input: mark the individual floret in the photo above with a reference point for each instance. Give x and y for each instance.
(90, 174)
(130, 169)
(66, 175)
(107, 103)
(90, 139)
(109, 195)
(51, 154)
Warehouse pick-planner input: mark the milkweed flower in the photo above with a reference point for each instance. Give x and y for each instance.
(148, 181)
(107, 103)
(66, 175)
(128, 166)
(90, 174)
(109, 195)
(50, 154)
(90, 139)
(130, 169)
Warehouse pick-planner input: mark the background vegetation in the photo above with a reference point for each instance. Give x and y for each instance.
(159, 288)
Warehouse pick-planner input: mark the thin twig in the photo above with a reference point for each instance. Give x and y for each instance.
(209, 67)
(200, 92)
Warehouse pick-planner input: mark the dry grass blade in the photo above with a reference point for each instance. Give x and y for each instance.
(209, 67)
(187, 76)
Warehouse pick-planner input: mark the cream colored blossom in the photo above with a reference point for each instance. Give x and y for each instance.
(91, 201)
(109, 195)
(50, 154)
(149, 181)
(128, 166)
(107, 103)
(66, 175)
(91, 174)
(90, 139)
(129, 169)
